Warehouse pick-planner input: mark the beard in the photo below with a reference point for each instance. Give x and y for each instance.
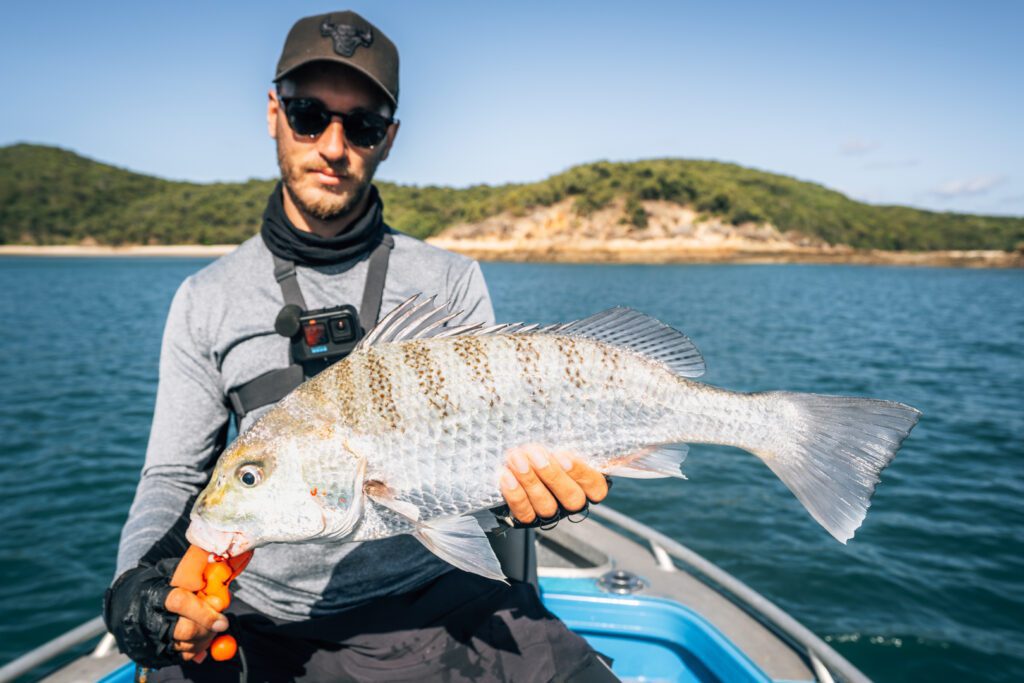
(319, 201)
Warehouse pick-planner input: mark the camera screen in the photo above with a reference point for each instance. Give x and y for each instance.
(315, 333)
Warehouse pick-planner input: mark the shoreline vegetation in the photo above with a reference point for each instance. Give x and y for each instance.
(54, 202)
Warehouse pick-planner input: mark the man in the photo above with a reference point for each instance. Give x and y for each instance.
(387, 610)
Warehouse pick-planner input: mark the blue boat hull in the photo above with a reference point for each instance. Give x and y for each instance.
(649, 639)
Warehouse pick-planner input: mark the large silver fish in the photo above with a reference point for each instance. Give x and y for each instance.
(408, 434)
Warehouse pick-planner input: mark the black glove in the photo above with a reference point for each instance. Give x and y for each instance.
(133, 609)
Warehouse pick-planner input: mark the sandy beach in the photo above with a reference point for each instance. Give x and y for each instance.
(594, 251)
(72, 250)
(669, 251)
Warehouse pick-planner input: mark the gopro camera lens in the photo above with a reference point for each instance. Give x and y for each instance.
(341, 329)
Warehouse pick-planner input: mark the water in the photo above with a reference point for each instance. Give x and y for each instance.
(931, 588)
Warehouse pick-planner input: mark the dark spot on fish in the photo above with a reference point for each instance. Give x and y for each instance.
(473, 353)
(344, 391)
(375, 487)
(573, 360)
(528, 358)
(610, 358)
(429, 376)
(380, 389)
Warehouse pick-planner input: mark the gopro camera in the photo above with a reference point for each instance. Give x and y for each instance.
(326, 334)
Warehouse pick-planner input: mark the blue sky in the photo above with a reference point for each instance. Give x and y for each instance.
(889, 102)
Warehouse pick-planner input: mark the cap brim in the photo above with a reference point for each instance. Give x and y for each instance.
(373, 79)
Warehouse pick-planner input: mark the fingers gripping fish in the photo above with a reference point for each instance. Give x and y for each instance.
(408, 434)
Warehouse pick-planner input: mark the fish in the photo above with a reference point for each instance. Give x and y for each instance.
(409, 433)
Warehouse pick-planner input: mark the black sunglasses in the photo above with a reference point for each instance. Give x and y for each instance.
(309, 116)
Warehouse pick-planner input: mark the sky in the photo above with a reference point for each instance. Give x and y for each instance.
(913, 103)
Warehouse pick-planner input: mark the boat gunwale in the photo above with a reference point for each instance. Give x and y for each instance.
(52, 649)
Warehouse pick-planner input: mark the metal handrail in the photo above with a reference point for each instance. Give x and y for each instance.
(47, 651)
(742, 594)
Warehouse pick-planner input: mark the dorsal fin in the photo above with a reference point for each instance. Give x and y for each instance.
(620, 326)
(631, 329)
(411, 320)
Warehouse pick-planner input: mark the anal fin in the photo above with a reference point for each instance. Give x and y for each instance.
(657, 463)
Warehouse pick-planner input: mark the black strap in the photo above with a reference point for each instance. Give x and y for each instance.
(376, 274)
(284, 273)
(271, 387)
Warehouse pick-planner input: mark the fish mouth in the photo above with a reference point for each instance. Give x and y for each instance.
(220, 542)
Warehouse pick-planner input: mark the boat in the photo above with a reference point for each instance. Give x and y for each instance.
(659, 610)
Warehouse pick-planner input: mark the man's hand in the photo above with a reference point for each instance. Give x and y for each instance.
(198, 624)
(537, 481)
(155, 623)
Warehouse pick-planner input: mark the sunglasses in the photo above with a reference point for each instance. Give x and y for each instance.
(310, 117)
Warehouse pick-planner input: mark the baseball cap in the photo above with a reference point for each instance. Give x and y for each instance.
(345, 38)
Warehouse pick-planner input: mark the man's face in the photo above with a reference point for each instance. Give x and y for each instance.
(326, 175)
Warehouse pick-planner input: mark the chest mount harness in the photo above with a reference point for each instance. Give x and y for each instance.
(318, 338)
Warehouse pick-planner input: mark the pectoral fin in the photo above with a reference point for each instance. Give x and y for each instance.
(461, 542)
(378, 492)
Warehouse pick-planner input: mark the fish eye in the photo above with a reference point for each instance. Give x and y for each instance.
(250, 475)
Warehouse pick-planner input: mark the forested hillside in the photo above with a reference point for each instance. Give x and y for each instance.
(53, 196)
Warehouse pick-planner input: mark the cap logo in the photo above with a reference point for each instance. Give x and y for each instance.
(346, 38)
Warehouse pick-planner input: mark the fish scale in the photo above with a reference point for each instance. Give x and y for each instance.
(537, 405)
(409, 434)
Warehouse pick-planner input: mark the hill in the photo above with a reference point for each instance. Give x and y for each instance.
(52, 196)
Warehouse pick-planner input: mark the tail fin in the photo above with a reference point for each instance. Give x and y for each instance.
(832, 450)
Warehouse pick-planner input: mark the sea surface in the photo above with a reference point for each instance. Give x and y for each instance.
(931, 588)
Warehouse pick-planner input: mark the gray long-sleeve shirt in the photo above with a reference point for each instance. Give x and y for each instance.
(220, 335)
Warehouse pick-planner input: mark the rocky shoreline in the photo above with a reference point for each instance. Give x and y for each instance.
(671, 233)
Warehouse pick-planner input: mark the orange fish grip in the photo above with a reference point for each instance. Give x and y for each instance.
(208, 576)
